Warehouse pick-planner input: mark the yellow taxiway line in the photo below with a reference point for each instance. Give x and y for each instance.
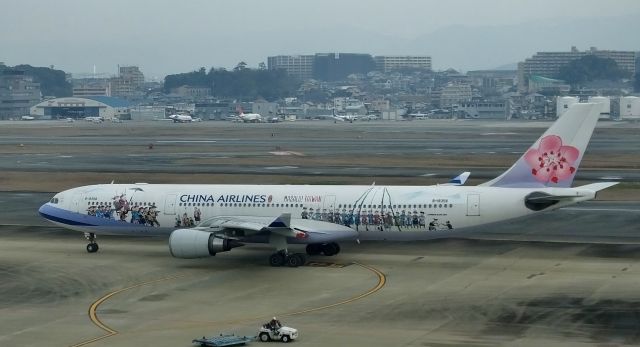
(93, 315)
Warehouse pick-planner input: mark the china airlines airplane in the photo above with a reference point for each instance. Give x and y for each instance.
(203, 220)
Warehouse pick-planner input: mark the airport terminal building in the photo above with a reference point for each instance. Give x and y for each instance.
(77, 108)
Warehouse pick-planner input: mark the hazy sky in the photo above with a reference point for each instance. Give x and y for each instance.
(164, 36)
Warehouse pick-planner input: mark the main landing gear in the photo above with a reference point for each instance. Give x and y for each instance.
(282, 258)
(92, 246)
(328, 249)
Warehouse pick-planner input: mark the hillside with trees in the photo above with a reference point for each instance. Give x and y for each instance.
(592, 68)
(241, 82)
(52, 82)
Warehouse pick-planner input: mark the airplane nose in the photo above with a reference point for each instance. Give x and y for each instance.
(41, 209)
(45, 211)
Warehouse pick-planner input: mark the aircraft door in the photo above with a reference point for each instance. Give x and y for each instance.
(77, 203)
(170, 204)
(473, 205)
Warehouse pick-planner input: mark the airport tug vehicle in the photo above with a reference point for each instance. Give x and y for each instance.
(285, 334)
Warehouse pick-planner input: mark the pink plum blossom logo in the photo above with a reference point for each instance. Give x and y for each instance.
(552, 161)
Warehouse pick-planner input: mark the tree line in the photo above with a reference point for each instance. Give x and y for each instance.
(592, 68)
(241, 82)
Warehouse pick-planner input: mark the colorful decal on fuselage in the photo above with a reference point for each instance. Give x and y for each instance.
(357, 215)
(125, 210)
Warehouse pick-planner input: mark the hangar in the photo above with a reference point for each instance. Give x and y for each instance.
(91, 106)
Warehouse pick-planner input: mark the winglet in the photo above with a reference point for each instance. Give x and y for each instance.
(460, 179)
(283, 221)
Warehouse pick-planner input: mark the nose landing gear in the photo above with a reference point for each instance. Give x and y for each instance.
(92, 246)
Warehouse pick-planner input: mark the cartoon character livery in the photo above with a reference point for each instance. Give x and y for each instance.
(203, 220)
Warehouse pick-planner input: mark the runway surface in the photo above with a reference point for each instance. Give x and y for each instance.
(564, 278)
(366, 149)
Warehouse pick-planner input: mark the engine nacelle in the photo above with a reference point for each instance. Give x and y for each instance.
(193, 243)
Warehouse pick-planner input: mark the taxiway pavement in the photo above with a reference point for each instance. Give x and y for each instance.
(569, 278)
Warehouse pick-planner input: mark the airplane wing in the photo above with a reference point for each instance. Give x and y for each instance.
(303, 230)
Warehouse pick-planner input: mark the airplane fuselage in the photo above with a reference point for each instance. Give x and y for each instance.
(155, 209)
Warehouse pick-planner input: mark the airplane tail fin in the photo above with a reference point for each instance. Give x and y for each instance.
(554, 158)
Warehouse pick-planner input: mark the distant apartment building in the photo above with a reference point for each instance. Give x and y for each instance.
(128, 83)
(548, 64)
(452, 94)
(18, 92)
(386, 63)
(337, 66)
(493, 80)
(193, 92)
(298, 66)
(323, 66)
(91, 87)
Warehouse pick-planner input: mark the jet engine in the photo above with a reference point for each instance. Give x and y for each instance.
(193, 243)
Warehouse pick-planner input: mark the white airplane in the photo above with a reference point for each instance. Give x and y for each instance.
(27, 118)
(345, 118)
(203, 220)
(183, 118)
(249, 117)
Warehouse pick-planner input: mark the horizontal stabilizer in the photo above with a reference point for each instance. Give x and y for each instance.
(596, 187)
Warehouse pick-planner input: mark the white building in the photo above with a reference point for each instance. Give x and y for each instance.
(630, 107)
(454, 94)
(298, 66)
(563, 104)
(605, 113)
(485, 110)
(386, 63)
(77, 108)
(146, 113)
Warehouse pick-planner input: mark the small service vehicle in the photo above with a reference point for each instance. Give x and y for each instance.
(284, 334)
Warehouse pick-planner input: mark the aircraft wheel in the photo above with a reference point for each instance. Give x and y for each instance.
(264, 337)
(276, 259)
(295, 260)
(303, 258)
(330, 249)
(92, 247)
(314, 249)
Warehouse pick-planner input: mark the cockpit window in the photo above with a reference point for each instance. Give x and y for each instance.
(54, 200)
